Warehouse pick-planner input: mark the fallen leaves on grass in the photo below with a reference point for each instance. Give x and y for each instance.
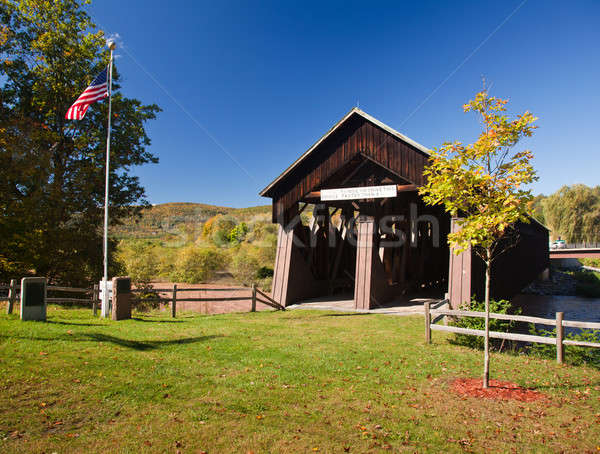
(503, 390)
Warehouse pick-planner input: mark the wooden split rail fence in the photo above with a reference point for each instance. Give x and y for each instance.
(255, 295)
(558, 322)
(14, 290)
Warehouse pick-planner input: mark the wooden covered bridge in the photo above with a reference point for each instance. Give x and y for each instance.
(370, 234)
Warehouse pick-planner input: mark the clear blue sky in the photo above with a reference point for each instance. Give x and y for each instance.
(267, 79)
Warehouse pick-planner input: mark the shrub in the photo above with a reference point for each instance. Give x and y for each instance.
(574, 355)
(498, 307)
(264, 272)
(140, 260)
(238, 233)
(218, 229)
(595, 263)
(245, 264)
(588, 284)
(265, 284)
(194, 265)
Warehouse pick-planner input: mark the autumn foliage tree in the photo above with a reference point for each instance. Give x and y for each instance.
(52, 169)
(484, 184)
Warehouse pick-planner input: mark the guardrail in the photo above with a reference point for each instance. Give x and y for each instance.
(558, 322)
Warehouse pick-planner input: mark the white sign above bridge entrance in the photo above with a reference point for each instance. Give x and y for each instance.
(366, 192)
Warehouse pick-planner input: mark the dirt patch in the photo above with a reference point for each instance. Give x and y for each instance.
(498, 390)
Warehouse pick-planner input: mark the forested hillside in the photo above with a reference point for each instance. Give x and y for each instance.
(192, 242)
(168, 219)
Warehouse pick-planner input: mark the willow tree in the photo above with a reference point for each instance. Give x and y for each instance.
(52, 169)
(485, 185)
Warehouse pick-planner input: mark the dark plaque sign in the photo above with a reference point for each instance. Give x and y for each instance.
(33, 298)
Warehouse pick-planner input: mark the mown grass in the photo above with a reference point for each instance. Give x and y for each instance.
(289, 382)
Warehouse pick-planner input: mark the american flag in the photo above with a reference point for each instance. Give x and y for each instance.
(97, 90)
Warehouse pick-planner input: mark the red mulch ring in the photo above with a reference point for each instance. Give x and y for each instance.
(500, 390)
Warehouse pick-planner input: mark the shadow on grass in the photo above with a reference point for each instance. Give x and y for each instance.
(137, 319)
(346, 314)
(565, 386)
(128, 343)
(54, 322)
(146, 345)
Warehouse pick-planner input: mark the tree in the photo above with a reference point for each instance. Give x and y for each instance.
(52, 169)
(573, 212)
(238, 233)
(485, 185)
(536, 208)
(194, 265)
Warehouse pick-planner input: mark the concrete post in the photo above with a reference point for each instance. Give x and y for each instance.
(121, 298)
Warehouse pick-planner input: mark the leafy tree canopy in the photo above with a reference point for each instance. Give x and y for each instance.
(483, 182)
(52, 169)
(573, 212)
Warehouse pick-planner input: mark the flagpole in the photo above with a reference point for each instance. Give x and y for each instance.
(106, 302)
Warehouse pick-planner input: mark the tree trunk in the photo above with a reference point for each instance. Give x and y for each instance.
(486, 358)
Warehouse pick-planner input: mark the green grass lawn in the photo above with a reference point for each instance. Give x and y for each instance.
(269, 382)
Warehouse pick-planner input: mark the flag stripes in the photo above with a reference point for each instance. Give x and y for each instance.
(97, 90)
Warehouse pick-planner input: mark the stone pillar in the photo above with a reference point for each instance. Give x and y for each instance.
(121, 298)
(33, 298)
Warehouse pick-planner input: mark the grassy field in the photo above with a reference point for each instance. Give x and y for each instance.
(288, 382)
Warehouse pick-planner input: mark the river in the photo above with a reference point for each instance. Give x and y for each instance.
(574, 307)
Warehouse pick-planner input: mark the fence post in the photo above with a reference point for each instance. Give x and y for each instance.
(253, 309)
(95, 298)
(12, 295)
(427, 323)
(174, 302)
(560, 348)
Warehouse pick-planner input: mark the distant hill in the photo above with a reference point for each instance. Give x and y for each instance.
(164, 220)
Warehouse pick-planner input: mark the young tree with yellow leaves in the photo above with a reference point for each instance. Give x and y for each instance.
(485, 184)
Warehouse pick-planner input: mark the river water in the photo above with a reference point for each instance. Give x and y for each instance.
(574, 307)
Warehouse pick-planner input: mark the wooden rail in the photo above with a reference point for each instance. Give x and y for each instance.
(558, 322)
(255, 295)
(14, 293)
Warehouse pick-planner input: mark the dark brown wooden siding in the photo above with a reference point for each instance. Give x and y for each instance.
(356, 135)
(517, 267)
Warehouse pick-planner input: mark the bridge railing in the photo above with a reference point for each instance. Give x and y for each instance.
(581, 245)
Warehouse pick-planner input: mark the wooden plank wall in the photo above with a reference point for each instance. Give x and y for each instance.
(356, 136)
(459, 274)
(293, 280)
(364, 260)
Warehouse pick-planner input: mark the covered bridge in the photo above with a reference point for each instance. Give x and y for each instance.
(370, 234)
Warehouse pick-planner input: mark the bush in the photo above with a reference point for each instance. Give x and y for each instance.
(595, 263)
(195, 265)
(265, 284)
(588, 284)
(264, 272)
(498, 307)
(238, 233)
(218, 229)
(573, 354)
(245, 265)
(140, 260)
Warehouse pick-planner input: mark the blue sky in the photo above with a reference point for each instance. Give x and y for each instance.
(264, 80)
